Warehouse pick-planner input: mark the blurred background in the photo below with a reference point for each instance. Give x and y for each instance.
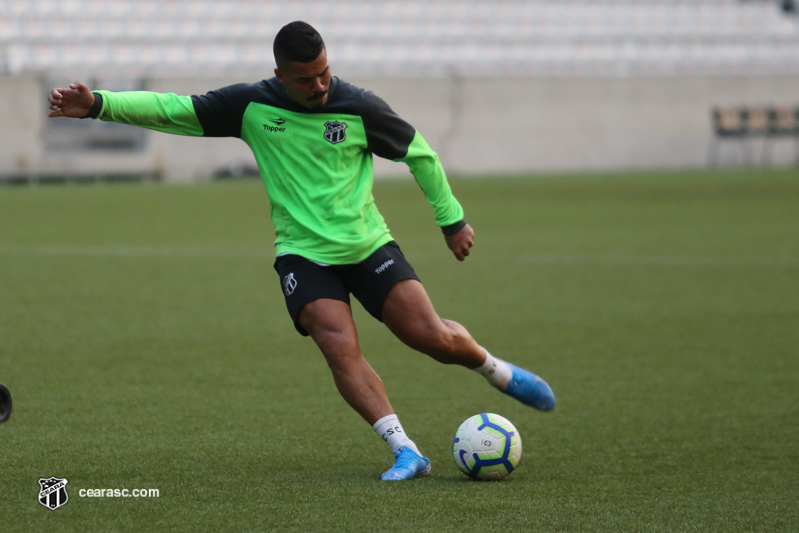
(496, 87)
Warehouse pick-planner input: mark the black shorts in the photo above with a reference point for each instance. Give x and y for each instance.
(370, 281)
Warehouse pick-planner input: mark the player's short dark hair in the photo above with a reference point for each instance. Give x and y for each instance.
(297, 41)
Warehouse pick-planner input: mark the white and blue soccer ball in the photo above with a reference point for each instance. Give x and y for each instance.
(487, 447)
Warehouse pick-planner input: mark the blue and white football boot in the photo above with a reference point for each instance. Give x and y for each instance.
(530, 389)
(407, 465)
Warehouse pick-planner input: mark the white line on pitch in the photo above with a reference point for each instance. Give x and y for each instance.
(267, 253)
(139, 251)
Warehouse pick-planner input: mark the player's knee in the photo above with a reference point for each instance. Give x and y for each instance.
(437, 341)
(340, 348)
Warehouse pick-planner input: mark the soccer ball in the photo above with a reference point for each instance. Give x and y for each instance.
(487, 447)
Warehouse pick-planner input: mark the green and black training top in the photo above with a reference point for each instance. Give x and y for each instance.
(316, 164)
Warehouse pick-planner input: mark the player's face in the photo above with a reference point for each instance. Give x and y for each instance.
(306, 83)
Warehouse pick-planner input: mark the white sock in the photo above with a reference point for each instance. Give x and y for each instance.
(390, 430)
(496, 371)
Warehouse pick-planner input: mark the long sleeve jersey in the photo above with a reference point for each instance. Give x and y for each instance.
(316, 164)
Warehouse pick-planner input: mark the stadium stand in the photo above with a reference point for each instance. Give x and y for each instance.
(608, 70)
(432, 38)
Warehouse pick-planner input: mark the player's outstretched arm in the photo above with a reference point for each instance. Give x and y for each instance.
(461, 242)
(168, 113)
(75, 101)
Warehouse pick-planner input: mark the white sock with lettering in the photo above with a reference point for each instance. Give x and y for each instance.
(496, 371)
(390, 430)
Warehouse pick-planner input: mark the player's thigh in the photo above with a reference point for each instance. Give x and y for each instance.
(329, 323)
(410, 315)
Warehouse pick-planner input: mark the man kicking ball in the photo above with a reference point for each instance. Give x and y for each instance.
(313, 136)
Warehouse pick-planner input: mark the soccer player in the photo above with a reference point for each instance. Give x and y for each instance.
(313, 136)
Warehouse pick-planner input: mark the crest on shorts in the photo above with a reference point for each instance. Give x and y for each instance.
(334, 132)
(53, 492)
(289, 284)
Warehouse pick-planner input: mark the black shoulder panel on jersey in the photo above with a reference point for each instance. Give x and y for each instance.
(220, 112)
(387, 134)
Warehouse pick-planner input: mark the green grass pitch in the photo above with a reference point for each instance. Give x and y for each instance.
(144, 338)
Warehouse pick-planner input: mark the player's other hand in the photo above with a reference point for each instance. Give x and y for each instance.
(461, 242)
(75, 101)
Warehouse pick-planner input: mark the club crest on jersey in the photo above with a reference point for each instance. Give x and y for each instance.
(334, 132)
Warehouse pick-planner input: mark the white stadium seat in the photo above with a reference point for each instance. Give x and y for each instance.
(471, 37)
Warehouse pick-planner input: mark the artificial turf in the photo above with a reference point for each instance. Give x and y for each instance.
(144, 338)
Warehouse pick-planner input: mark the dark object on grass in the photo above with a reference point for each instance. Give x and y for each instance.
(5, 403)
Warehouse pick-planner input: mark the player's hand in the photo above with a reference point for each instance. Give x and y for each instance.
(461, 242)
(74, 101)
